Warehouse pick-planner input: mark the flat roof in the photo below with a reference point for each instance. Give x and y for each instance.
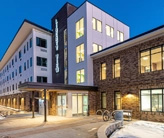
(23, 31)
(131, 41)
(35, 86)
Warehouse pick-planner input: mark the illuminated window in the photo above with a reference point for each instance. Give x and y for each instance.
(80, 76)
(151, 100)
(109, 31)
(151, 60)
(97, 25)
(103, 71)
(120, 36)
(145, 61)
(103, 100)
(117, 68)
(80, 28)
(96, 48)
(80, 53)
(65, 37)
(156, 60)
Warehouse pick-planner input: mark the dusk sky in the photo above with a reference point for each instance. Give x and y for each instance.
(139, 15)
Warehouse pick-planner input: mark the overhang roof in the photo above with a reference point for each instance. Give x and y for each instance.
(18, 39)
(35, 86)
(159, 31)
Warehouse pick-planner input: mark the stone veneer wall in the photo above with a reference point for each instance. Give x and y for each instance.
(130, 79)
(92, 98)
(52, 103)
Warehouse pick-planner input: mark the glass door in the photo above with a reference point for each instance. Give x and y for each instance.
(117, 101)
(79, 104)
(61, 103)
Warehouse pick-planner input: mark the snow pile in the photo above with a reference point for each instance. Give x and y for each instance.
(141, 129)
(1, 118)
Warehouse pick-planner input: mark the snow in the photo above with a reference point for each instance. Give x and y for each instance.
(141, 129)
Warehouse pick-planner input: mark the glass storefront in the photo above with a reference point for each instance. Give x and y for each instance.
(61, 104)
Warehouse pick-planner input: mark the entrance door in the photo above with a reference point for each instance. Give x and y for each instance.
(117, 101)
(61, 103)
(79, 104)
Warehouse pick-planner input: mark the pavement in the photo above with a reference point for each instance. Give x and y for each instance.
(21, 124)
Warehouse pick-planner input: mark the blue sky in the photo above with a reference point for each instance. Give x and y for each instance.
(139, 15)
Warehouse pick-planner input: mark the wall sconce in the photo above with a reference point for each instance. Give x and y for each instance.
(129, 93)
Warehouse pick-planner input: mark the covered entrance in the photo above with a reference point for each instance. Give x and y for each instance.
(61, 99)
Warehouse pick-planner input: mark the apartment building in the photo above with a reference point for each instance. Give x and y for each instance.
(28, 59)
(130, 75)
(90, 29)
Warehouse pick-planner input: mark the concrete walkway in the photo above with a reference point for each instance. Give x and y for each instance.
(22, 125)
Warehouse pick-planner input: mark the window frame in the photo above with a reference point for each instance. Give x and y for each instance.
(79, 61)
(114, 72)
(150, 55)
(101, 67)
(110, 28)
(79, 28)
(38, 39)
(96, 24)
(80, 76)
(151, 100)
(102, 100)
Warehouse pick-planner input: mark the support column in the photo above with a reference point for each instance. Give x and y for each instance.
(33, 105)
(45, 106)
(18, 102)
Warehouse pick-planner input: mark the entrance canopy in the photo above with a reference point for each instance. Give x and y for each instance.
(35, 86)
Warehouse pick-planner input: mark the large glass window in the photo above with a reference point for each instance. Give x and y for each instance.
(117, 101)
(145, 61)
(97, 25)
(41, 79)
(109, 31)
(41, 42)
(80, 76)
(120, 36)
(80, 28)
(103, 71)
(151, 100)
(80, 53)
(117, 68)
(156, 60)
(65, 37)
(96, 48)
(103, 100)
(151, 60)
(41, 61)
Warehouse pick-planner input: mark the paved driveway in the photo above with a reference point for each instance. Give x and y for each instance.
(22, 125)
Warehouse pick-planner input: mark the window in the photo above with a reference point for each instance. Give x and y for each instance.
(109, 31)
(15, 58)
(24, 49)
(65, 37)
(151, 60)
(30, 42)
(16, 72)
(80, 76)
(13, 87)
(27, 46)
(103, 71)
(96, 48)
(41, 61)
(145, 61)
(80, 28)
(103, 100)
(41, 42)
(24, 66)
(12, 62)
(120, 36)
(20, 54)
(97, 25)
(27, 63)
(80, 53)
(152, 100)
(13, 74)
(117, 68)
(31, 79)
(117, 101)
(31, 62)
(41, 79)
(20, 69)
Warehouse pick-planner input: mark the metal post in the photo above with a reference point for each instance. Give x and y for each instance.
(33, 105)
(45, 107)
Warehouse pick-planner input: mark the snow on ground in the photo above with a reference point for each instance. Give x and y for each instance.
(141, 129)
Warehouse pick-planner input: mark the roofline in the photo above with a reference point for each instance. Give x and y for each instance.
(48, 86)
(128, 40)
(62, 7)
(98, 8)
(27, 21)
